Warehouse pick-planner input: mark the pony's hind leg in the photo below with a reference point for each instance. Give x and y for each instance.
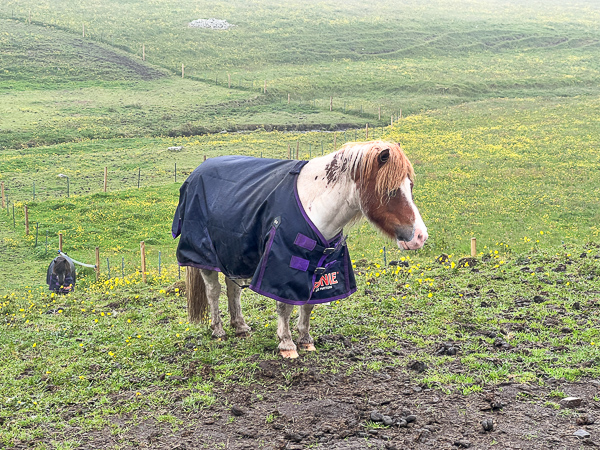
(234, 293)
(287, 348)
(213, 290)
(305, 341)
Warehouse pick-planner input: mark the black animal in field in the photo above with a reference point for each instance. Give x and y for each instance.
(61, 275)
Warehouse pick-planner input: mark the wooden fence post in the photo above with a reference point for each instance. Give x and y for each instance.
(60, 241)
(97, 263)
(26, 221)
(288, 99)
(367, 132)
(83, 31)
(105, 177)
(182, 70)
(379, 112)
(143, 253)
(473, 247)
(331, 103)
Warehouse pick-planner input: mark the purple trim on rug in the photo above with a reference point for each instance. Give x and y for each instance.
(310, 223)
(339, 297)
(305, 242)
(331, 263)
(346, 276)
(178, 232)
(265, 256)
(200, 266)
(298, 302)
(299, 263)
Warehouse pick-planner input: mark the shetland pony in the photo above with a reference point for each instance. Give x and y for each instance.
(229, 223)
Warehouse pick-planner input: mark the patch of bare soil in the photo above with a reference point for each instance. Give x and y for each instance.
(102, 54)
(292, 405)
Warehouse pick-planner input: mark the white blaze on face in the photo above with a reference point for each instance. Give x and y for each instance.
(420, 230)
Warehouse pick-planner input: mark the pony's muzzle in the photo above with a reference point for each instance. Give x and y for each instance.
(411, 238)
(405, 233)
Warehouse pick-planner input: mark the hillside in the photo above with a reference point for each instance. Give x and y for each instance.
(367, 63)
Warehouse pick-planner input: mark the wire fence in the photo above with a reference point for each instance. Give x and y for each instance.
(123, 176)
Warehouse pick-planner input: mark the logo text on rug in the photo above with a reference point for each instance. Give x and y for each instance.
(326, 282)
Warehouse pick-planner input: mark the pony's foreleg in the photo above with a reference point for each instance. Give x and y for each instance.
(305, 341)
(213, 290)
(287, 348)
(234, 293)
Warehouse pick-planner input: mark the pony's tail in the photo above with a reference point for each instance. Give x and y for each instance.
(197, 301)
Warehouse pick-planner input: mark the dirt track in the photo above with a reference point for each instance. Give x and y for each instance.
(293, 406)
(105, 56)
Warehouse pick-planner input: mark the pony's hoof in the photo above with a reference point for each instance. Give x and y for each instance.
(308, 347)
(288, 353)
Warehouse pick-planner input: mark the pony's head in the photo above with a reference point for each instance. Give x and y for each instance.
(384, 179)
(61, 268)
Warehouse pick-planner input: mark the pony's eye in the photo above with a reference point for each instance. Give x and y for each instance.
(393, 192)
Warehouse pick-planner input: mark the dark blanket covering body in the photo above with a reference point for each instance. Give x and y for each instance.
(242, 216)
(52, 279)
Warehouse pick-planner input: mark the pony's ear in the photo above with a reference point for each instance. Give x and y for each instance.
(383, 156)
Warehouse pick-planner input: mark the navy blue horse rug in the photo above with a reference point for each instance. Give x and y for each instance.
(242, 216)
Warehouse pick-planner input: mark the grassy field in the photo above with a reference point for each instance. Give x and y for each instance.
(50, 99)
(115, 342)
(374, 61)
(500, 111)
(500, 170)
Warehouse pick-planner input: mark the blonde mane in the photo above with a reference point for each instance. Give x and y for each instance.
(362, 160)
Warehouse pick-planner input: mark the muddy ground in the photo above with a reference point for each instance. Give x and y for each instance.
(294, 406)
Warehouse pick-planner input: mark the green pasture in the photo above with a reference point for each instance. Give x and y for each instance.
(519, 172)
(506, 170)
(374, 61)
(48, 99)
(59, 88)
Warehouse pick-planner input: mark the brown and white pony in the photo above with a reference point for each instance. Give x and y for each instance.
(370, 179)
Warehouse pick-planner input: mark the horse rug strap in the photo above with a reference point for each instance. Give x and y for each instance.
(242, 216)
